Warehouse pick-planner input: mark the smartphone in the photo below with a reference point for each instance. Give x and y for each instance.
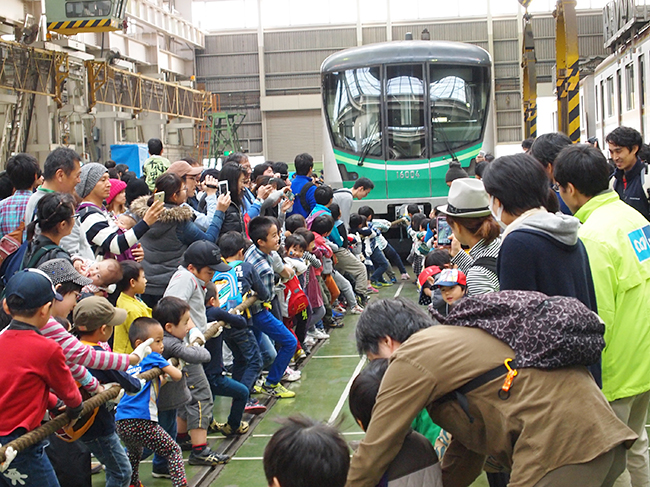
(444, 232)
(223, 187)
(159, 196)
(290, 196)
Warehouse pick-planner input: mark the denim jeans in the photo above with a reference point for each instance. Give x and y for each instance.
(110, 452)
(393, 257)
(267, 349)
(268, 324)
(220, 385)
(247, 359)
(30, 468)
(167, 421)
(380, 264)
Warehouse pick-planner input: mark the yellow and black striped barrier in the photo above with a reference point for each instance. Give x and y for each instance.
(70, 27)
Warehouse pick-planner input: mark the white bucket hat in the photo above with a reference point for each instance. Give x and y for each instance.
(467, 199)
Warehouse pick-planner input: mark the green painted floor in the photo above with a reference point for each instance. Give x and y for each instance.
(323, 382)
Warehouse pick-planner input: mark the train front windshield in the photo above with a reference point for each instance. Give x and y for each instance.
(457, 105)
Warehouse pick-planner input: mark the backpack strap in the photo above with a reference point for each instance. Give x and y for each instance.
(489, 263)
(38, 255)
(460, 393)
(645, 181)
(303, 196)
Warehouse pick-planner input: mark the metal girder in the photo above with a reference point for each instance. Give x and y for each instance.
(568, 72)
(29, 70)
(111, 86)
(528, 63)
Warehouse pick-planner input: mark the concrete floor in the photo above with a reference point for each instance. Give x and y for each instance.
(324, 380)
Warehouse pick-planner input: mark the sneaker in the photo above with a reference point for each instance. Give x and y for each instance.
(278, 390)
(299, 356)
(310, 341)
(337, 314)
(186, 445)
(320, 334)
(393, 280)
(405, 276)
(95, 467)
(356, 310)
(207, 458)
(339, 309)
(253, 406)
(336, 324)
(380, 284)
(372, 289)
(160, 472)
(226, 430)
(291, 375)
(257, 389)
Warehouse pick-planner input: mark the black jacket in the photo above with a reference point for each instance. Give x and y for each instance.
(233, 220)
(633, 193)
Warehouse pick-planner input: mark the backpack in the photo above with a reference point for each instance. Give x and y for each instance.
(228, 285)
(296, 298)
(15, 262)
(489, 263)
(302, 196)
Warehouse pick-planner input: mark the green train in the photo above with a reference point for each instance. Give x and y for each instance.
(398, 112)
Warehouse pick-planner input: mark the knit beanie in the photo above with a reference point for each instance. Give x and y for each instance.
(117, 187)
(455, 172)
(91, 173)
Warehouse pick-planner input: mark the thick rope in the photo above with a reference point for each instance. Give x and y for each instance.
(39, 434)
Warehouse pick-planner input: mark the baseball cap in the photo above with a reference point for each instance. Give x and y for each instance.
(91, 313)
(451, 277)
(204, 253)
(33, 287)
(61, 270)
(182, 169)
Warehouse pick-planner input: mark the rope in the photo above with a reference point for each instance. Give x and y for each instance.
(39, 434)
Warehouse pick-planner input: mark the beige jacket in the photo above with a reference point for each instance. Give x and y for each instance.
(552, 418)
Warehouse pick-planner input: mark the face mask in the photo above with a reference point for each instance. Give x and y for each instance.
(497, 215)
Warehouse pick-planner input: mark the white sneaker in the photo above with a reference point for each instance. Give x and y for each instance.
(356, 310)
(320, 334)
(291, 375)
(310, 341)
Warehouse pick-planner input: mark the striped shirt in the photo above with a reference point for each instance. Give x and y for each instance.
(103, 234)
(79, 356)
(479, 279)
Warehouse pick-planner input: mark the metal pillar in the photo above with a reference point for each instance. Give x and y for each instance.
(568, 72)
(528, 63)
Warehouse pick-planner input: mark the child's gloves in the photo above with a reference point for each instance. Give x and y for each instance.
(10, 454)
(143, 349)
(195, 335)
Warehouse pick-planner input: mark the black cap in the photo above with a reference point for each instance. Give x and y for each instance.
(205, 253)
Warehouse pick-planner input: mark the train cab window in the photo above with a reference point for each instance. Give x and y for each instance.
(352, 102)
(458, 98)
(405, 126)
(629, 86)
(101, 8)
(610, 96)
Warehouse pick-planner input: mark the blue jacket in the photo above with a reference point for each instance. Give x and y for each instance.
(633, 194)
(296, 186)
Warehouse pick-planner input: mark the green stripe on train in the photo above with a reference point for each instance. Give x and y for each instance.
(405, 179)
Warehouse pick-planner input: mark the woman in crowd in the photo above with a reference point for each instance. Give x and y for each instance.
(167, 239)
(468, 214)
(116, 201)
(55, 215)
(236, 176)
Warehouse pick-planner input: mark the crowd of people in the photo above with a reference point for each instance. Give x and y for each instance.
(523, 356)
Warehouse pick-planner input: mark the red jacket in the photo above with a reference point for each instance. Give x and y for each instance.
(31, 365)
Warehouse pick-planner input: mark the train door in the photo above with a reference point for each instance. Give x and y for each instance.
(405, 147)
